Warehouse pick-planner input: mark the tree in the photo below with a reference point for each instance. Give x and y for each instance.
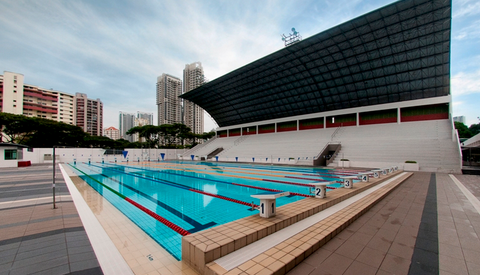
(474, 129)
(17, 128)
(463, 130)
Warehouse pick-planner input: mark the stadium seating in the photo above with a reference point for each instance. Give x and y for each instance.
(429, 143)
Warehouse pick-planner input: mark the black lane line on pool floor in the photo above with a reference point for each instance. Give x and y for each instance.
(196, 225)
(425, 253)
(252, 207)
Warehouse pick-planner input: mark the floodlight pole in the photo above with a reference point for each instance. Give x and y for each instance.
(53, 185)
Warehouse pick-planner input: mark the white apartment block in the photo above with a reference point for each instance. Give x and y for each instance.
(193, 77)
(169, 108)
(66, 107)
(112, 133)
(11, 93)
(19, 98)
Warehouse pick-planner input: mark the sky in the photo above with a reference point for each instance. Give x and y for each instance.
(115, 49)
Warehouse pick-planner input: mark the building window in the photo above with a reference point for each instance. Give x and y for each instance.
(10, 154)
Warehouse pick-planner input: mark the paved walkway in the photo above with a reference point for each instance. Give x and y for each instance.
(400, 234)
(34, 237)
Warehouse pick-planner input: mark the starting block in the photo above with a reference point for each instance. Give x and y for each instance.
(365, 177)
(320, 189)
(268, 202)
(377, 172)
(348, 181)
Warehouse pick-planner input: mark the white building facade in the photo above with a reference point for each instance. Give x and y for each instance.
(89, 114)
(126, 122)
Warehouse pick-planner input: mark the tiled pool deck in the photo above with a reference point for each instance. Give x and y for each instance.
(427, 220)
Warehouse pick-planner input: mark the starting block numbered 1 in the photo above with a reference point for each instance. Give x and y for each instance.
(268, 202)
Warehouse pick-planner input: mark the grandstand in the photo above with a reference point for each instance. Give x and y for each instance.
(377, 87)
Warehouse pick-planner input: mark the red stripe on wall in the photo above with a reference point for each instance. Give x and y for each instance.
(425, 117)
(266, 131)
(287, 129)
(342, 124)
(378, 121)
(309, 127)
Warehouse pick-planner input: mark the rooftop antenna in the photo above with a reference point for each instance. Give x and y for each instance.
(292, 38)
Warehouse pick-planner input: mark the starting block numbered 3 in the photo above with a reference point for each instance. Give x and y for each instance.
(348, 181)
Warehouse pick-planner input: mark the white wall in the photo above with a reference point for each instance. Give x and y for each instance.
(95, 154)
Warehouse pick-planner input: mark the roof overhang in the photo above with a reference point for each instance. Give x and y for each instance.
(400, 52)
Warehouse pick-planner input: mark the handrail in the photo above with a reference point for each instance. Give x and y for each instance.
(325, 147)
(239, 140)
(335, 133)
(198, 146)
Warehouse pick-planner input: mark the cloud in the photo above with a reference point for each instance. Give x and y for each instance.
(464, 83)
(464, 8)
(472, 31)
(115, 49)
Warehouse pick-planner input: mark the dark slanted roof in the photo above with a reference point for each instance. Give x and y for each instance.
(396, 53)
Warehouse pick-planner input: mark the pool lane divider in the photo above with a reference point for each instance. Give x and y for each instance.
(159, 218)
(232, 183)
(181, 186)
(241, 170)
(244, 177)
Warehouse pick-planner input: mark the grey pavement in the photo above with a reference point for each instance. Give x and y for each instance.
(35, 238)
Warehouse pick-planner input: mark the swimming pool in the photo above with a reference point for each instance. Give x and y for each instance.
(168, 200)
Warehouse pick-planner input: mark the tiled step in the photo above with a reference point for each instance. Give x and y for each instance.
(206, 246)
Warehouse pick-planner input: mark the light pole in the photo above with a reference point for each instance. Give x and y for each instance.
(53, 185)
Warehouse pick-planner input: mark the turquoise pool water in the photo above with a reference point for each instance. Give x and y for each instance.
(171, 199)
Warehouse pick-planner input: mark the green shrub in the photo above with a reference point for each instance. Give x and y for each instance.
(410, 161)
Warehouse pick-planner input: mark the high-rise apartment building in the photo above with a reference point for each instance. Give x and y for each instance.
(148, 117)
(193, 77)
(89, 114)
(32, 101)
(11, 93)
(126, 122)
(169, 106)
(66, 107)
(461, 119)
(139, 122)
